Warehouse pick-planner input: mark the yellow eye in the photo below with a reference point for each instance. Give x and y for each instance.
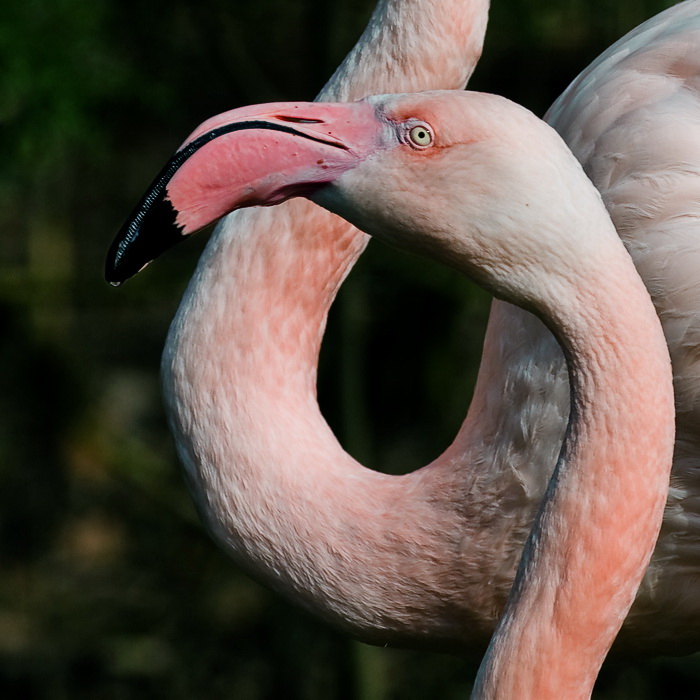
(420, 136)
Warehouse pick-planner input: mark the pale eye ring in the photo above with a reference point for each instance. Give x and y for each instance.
(420, 135)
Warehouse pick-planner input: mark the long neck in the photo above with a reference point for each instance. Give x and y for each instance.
(239, 373)
(381, 556)
(600, 519)
(412, 45)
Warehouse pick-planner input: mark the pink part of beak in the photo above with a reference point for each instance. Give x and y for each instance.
(288, 150)
(259, 155)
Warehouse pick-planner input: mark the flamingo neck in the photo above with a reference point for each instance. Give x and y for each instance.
(239, 373)
(601, 516)
(410, 46)
(381, 556)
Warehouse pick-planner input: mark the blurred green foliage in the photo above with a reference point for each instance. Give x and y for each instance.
(110, 588)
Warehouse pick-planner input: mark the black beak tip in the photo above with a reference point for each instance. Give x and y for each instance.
(152, 227)
(126, 254)
(150, 231)
(115, 273)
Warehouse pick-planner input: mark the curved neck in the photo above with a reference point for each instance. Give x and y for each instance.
(600, 519)
(239, 374)
(269, 477)
(412, 45)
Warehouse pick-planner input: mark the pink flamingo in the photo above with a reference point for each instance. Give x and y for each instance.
(427, 172)
(522, 393)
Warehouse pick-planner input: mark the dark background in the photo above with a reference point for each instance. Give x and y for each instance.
(109, 588)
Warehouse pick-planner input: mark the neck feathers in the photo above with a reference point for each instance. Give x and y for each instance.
(598, 525)
(411, 46)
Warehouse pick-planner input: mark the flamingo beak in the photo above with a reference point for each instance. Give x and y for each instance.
(259, 155)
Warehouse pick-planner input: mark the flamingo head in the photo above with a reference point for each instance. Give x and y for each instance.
(467, 178)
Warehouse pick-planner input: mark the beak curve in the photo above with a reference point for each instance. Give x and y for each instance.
(260, 155)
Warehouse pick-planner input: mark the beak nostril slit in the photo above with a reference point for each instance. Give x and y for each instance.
(298, 120)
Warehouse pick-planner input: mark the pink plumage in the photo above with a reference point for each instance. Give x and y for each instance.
(427, 174)
(433, 552)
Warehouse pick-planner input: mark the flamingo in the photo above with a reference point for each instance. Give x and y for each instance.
(495, 466)
(427, 173)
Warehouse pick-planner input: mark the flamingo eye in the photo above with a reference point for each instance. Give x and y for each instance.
(420, 136)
